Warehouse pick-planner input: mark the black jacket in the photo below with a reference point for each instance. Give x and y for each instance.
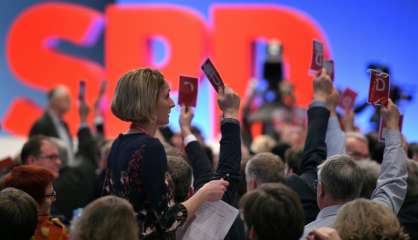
(228, 168)
(314, 153)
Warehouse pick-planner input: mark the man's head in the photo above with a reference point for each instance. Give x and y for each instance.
(264, 168)
(357, 146)
(370, 172)
(339, 180)
(59, 100)
(41, 151)
(181, 173)
(412, 190)
(18, 214)
(272, 211)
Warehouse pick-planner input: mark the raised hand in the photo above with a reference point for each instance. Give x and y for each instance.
(391, 115)
(214, 190)
(229, 102)
(322, 86)
(185, 120)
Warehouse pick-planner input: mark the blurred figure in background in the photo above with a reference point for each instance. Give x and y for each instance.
(52, 122)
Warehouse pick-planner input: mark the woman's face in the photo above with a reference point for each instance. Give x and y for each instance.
(164, 104)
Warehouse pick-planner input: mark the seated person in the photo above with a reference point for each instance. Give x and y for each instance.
(37, 182)
(18, 214)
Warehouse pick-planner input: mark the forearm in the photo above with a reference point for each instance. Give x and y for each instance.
(200, 162)
(315, 148)
(230, 158)
(335, 137)
(193, 203)
(391, 185)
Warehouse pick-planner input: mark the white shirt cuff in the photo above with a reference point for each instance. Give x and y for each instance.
(189, 138)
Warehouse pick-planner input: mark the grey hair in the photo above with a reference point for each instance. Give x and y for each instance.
(341, 177)
(265, 168)
(412, 180)
(106, 218)
(370, 171)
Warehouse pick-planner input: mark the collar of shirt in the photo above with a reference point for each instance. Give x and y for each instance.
(328, 211)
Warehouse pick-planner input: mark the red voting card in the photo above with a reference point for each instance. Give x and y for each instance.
(317, 56)
(347, 99)
(188, 91)
(213, 75)
(329, 66)
(379, 88)
(382, 126)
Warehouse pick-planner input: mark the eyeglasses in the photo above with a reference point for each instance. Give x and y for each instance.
(52, 195)
(51, 157)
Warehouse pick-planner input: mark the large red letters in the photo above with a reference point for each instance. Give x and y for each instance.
(129, 29)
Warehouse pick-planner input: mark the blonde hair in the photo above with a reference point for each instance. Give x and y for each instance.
(365, 219)
(136, 95)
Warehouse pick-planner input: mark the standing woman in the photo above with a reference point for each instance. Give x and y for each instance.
(137, 163)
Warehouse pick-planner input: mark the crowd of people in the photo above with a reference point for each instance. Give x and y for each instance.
(322, 179)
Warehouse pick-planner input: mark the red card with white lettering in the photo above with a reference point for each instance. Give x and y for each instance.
(379, 88)
(317, 56)
(188, 91)
(347, 99)
(382, 127)
(329, 66)
(213, 75)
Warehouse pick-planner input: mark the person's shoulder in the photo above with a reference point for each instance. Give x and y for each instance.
(53, 228)
(152, 143)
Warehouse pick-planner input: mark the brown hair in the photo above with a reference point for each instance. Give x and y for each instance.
(265, 167)
(365, 219)
(136, 95)
(273, 210)
(31, 179)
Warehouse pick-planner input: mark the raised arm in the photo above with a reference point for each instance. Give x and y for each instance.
(391, 184)
(335, 136)
(201, 165)
(230, 145)
(315, 148)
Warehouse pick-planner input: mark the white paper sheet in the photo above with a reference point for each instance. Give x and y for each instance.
(213, 221)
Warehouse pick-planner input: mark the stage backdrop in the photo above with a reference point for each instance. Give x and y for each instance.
(45, 43)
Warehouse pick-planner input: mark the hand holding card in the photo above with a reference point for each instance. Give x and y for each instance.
(390, 119)
(213, 75)
(329, 66)
(188, 91)
(347, 99)
(379, 88)
(317, 56)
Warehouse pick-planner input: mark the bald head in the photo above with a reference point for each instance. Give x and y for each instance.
(59, 100)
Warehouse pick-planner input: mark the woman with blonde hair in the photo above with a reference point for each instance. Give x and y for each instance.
(366, 219)
(137, 162)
